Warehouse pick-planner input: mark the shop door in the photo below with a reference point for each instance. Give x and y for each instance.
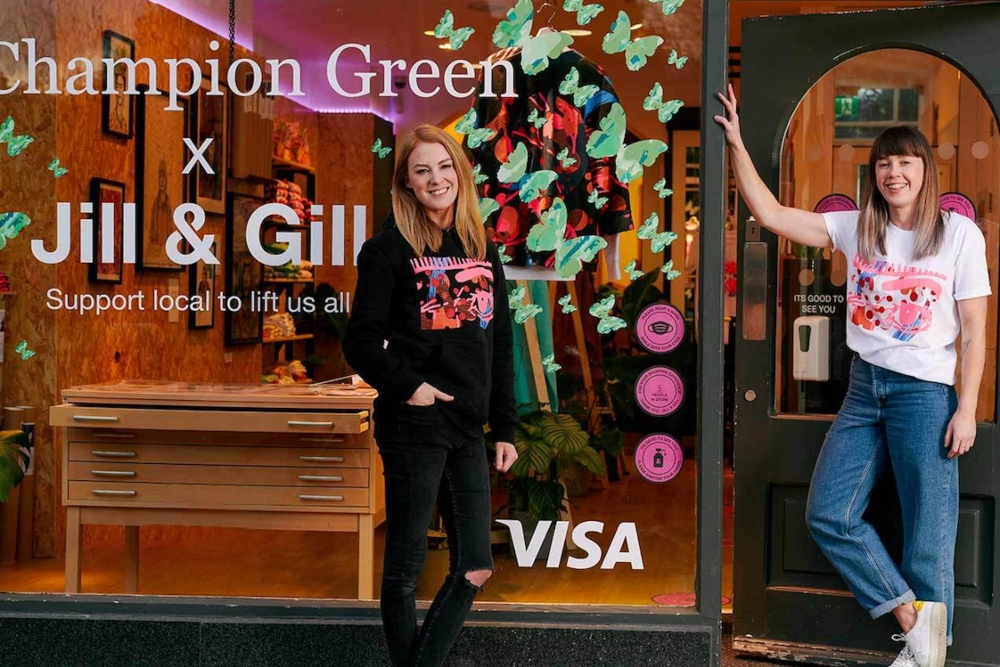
(789, 602)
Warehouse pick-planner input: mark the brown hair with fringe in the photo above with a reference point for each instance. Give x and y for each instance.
(411, 218)
(873, 220)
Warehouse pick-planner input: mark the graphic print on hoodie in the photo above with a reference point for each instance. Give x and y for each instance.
(453, 291)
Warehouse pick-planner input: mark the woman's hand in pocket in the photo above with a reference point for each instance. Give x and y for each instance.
(428, 395)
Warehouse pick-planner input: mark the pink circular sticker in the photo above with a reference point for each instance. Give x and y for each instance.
(660, 328)
(659, 391)
(832, 203)
(959, 203)
(658, 458)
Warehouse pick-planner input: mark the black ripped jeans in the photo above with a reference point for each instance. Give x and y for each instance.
(426, 459)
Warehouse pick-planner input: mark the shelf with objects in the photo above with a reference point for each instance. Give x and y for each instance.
(288, 331)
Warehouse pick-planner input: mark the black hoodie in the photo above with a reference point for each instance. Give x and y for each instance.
(446, 322)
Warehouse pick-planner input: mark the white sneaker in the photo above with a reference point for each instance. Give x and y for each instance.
(905, 657)
(927, 639)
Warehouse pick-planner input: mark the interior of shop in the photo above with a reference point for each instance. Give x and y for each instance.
(328, 150)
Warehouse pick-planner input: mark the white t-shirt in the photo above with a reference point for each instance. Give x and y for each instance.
(903, 314)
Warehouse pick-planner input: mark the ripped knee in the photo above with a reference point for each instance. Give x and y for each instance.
(478, 577)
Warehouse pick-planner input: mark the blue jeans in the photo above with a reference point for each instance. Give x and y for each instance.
(428, 460)
(889, 419)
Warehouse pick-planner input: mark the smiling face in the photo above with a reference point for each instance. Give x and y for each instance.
(432, 176)
(899, 179)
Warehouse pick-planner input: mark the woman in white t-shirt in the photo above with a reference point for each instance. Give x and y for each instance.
(917, 278)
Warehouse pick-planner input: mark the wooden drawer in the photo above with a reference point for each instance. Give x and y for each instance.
(220, 456)
(117, 436)
(237, 421)
(205, 496)
(218, 475)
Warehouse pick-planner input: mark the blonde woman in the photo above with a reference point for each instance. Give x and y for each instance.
(918, 278)
(431, 331)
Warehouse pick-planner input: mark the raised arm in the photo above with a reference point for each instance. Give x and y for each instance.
(800, 226)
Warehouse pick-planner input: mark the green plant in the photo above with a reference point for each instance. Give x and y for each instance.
(14, 458)
(547, 444)
(334, 325)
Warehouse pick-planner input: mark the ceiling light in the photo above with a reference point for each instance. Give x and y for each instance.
(429, 33)
(576, 32)
(634, 27)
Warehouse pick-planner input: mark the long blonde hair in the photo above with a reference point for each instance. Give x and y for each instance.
(412, 220)
(873, 220)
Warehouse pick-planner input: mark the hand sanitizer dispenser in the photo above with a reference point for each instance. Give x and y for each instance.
(811, 360)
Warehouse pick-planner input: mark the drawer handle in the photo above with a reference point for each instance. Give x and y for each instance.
(321, 478)
(307, 439)
(330, 459)
(94, 418)
(112, 434)
(113, 473)
(310, 497)
(115, 455)
(105, 492)
(292, 422)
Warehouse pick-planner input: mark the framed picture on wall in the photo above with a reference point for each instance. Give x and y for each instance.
(108, 230)
(211, 120)
(243, 273)
(160, 186)
(203, 285)
(117, 110)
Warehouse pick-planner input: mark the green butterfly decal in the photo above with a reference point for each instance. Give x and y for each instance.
(571, 253)
(659, 240)
(537, 51)
(633, 274)
(522, 312)
(530, 187)
(668, 270)
(14, 144)
(637, 52)
(517, 26)
(571, 86)
(549, 361)
(602, 310)
(654, 102)
(610, 135)
(564, 159)
(632, 158)
(661, 188)
(11, 225)
(487, 207)
(446, 28)
(502, 251)
(679, 62)
(378, 148)
(56, 170)
(477, 175)
(584, 13)
(22, 349)
(513, 169)
(668, 6)
(567, 307)
(535, 120)
(597, 200)
(467, 126)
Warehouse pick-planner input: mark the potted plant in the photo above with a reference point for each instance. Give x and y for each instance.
(547, 444)
(14, 458)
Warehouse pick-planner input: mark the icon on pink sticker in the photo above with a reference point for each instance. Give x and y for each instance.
(660, 328)
(659, 391)
(834, 203)
(959, 203)
(658, 457)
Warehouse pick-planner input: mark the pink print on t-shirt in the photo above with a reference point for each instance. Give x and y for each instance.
(900, 299)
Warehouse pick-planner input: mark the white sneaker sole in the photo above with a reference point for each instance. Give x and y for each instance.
(938, 634)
